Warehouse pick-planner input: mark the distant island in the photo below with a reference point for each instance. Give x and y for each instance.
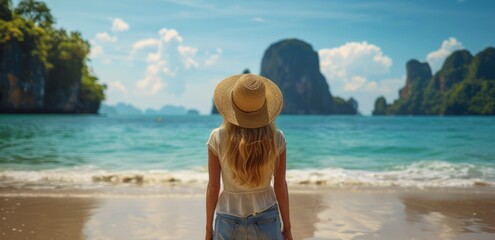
(465, 85)
(295, 67)
(43, 69)
(129, 109)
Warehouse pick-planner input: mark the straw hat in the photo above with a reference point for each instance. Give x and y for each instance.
(248, 100)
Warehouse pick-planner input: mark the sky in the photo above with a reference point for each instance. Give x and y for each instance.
(152, 53)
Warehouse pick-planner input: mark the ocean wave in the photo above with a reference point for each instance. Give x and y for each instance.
(91, 175)
(420, 175)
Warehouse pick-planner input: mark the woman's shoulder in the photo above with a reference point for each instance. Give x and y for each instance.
(214, 140)
(280, 141)
(217, 133)
(214, 131)
(217, 130)
(279, 134)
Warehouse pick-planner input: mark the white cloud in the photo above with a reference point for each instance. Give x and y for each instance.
(143, 43)
(349, 66)
(118, 86)
(437, 57)
(386, 87)
(169, 34)
(153, 57)
(149, 42)
(188, 55)
(372, 85)
(96, 50)
(355, 69)
(152, 81)
(355, 83)
(168, 56)
(165, 36)
(168, 59)
(212, 58)
(119, 25)
(105, 37)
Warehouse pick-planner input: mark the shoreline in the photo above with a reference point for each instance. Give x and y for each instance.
(316, 213)
(171, 189)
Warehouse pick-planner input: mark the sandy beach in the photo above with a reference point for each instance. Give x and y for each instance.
(317, 213)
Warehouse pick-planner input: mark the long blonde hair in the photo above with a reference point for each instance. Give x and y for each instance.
(250, 153)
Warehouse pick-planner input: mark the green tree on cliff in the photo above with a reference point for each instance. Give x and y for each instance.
(380, 106)
(5, 10)
(14, 27)
(68, 57)
(65, 55)
(465, 85)
(35, 11)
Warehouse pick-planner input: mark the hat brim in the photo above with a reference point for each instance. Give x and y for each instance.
(231, 113)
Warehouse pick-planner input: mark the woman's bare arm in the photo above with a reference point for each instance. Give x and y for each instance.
(280, 187)
(212, 191)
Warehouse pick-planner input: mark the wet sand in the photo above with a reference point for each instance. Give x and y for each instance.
(317, 213)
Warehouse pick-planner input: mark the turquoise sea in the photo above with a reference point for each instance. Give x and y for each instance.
(88, 151)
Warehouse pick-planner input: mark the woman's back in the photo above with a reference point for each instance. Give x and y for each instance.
(245, 153)
(217, 143)
(237, 199)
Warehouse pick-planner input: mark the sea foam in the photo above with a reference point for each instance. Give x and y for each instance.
(419, 175)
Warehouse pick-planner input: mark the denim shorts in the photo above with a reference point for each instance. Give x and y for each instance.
(263, 225)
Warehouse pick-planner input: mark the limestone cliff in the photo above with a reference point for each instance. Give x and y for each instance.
(417, 75)
(465, 85)
(22, 79)
(43, 69)
(294, 66)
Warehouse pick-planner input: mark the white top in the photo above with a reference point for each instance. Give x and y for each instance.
(235, 199)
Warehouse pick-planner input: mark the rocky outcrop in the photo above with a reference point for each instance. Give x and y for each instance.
(43, 69)
(380, 106)
(344, 107)
(417, 75)
(26, 88)
(454, 70)
(483, 66)
(463, 86)
(294, 66)
(64, 84)
(22, 79)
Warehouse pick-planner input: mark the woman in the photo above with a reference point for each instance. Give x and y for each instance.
(247, 151)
